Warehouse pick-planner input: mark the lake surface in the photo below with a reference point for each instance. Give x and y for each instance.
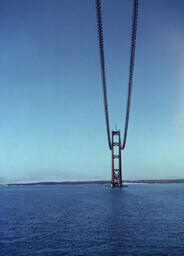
(71, 220)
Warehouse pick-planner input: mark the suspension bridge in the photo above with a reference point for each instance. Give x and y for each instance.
(114, 139)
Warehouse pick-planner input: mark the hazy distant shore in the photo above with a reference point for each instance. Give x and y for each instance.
(161, 181)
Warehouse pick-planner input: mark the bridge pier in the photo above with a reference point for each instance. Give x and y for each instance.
(116, 160)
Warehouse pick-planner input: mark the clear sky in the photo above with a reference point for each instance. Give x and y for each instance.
(52, 124)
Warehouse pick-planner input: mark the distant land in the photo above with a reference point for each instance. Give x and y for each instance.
(160, 181)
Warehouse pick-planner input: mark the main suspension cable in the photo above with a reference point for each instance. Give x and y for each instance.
(102, 62)
(131, 68)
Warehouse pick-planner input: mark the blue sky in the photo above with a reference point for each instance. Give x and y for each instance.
(51, 106)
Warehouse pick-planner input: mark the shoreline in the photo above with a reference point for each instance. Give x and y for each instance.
(105, 182)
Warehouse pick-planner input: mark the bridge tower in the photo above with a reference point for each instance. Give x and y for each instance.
(116, 159)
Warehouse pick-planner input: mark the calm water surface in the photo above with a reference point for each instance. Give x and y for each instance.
(92, 220)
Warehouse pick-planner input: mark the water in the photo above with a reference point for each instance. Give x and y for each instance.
(92, 220)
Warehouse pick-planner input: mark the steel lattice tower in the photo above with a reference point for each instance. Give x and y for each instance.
(116, 159)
